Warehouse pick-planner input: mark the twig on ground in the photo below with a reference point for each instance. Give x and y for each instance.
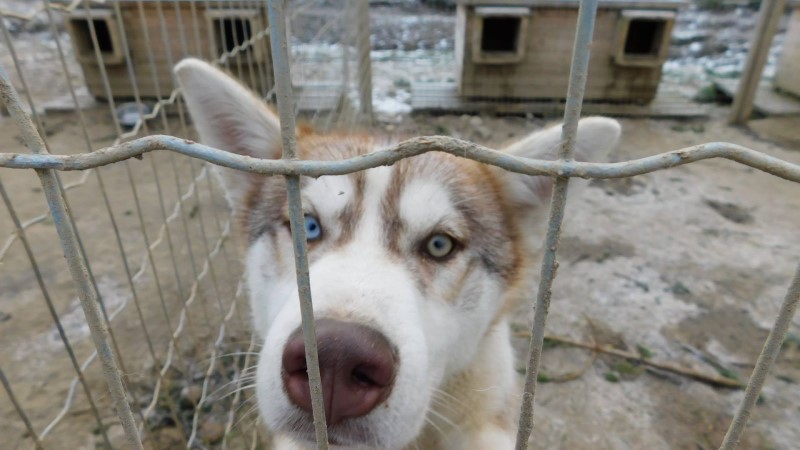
(570, 376)
(716, 380)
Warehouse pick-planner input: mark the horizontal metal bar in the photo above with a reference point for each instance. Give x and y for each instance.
(412, 147)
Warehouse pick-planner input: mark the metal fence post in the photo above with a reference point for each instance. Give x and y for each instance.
(768, 17)
(37, 444)
(363, 47)
(77, 267)
(577, 84)
(766, 360)
(283, 87)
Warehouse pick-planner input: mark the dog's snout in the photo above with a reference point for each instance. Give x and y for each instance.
(357, 366)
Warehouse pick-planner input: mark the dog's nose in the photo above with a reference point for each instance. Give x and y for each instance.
(357, 365)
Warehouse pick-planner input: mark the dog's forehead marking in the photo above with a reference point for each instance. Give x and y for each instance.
(330, 194)
(424, 203)
(377, 183)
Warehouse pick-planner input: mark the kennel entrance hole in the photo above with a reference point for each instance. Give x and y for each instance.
(231, 32)
(84, 36)
(645, 37)
(80, 25)
(500, 34)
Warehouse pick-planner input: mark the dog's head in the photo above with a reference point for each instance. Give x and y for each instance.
(410, 265)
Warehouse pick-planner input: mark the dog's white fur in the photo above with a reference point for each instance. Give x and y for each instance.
(456, 387)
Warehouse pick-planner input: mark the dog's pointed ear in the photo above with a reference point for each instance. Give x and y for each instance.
(597, 136)
(230, 117)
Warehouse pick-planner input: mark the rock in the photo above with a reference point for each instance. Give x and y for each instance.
(708, 48)
(116, 436)
(484, 132)
(190, 395)
(211, 431)
(696, 47)
(162, 438)
(685, 37)
(13, 25)
(129, 114)
(476, 121)
(41, 23)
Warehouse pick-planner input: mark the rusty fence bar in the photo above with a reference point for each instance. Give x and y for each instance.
(572, 113)
(54, 315)
(139, 126)
(178, 210)
(766, 359)
(286, 110)
(77, 266)
(7, 386)
(411, 147)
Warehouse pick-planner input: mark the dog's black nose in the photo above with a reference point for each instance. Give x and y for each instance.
(357, 365)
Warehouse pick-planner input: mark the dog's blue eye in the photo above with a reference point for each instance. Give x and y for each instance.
(440, 246)
(313, 228)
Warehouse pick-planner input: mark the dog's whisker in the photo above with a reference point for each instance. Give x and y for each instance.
(245, 415)
(218, 357)
(242, 403)
(488, 388)
(240, 379)
(238, 354)
(448, 398)
(472, 199)
(444, 405)
(444, 418)
(435, 427)
(240, 389)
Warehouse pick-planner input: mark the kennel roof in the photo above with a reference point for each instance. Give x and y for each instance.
(607, 4)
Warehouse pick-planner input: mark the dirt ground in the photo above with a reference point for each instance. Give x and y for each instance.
(689, 264)
(33, 356)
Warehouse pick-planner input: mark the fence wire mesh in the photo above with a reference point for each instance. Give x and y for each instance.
(168, 282)
(172, 265)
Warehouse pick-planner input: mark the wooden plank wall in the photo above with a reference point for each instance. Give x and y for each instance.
(259, 78)
(545, 71)
(787, 76)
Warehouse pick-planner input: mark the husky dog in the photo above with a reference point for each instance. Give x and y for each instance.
(414, 269)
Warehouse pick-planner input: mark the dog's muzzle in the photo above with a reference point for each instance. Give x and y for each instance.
(357, 365)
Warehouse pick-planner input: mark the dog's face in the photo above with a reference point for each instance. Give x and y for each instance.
(410, 264)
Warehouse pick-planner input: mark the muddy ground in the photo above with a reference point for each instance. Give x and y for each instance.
(689, 264)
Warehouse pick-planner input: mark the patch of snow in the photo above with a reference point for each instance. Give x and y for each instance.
(391, 108)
